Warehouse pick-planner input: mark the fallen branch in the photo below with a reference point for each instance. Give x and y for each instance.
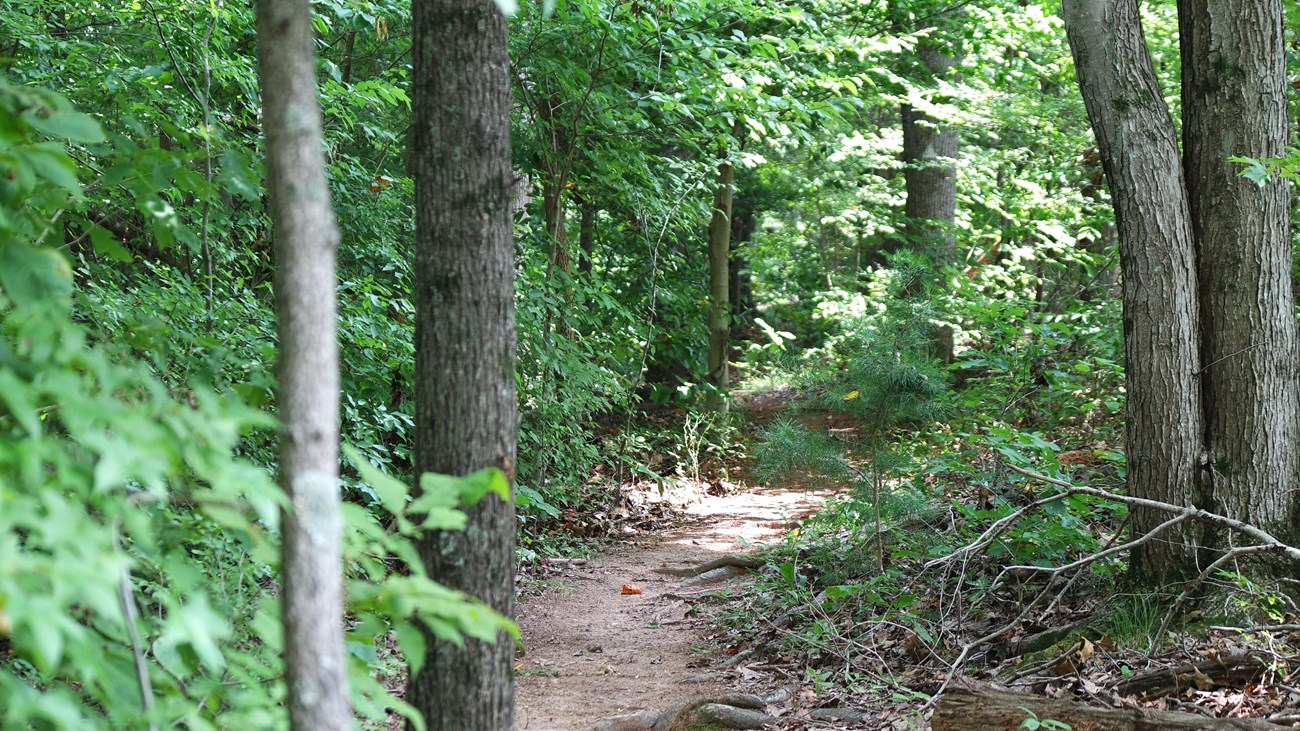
(973, 707)
(1232, 670)
(1266, 543)
(565, 561)
(699, 595)
(1263, 537)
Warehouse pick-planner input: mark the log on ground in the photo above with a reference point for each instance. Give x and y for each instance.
(973, 707)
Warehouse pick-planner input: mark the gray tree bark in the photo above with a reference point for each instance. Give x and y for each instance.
(930, 150)
(720, 285)
(466, 412)
(1139, 151)
(1235, 103)
(306, 239)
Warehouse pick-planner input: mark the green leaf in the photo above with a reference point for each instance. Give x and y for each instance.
(841, 591)
(107, 244)
(197, 624)
(530, 499)
(167, 651)
(70, 125)
(392, 493)
(53, 165)
(410, 639)
(787, 572)
(228, 517)
(439, 493)
(438, 517)
(235, 174)
(1253, 170)
(16, 396)
(29, 274)
(479, 484)
(43, 638)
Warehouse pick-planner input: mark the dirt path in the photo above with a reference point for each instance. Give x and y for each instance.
(594, 652)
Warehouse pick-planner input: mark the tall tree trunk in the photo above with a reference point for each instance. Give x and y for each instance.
(466, 416)
(1235, 103)
(349, 49)
(305, 239)
(553, 215)
(1139, 151)
(719, 286)
(930, 150)
(740, 288)
(586, 235)
(556, 164)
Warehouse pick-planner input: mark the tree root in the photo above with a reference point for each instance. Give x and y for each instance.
(743, 562)
(738, 711)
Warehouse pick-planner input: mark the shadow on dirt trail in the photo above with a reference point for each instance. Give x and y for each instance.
(594, 652)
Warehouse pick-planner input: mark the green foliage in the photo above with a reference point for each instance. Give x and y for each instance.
(409, 603)
(138, 540)
(106, 476)
(118, 500)
(788, 445)
(888, 380)
(1043, 368)
(1136, 620)
(148, 392)
(576, 343)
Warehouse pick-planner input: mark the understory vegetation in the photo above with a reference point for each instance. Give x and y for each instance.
(948, 380)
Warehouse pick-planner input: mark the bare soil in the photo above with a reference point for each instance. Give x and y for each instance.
(593, 651)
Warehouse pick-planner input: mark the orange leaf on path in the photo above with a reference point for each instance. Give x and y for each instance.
(629, 589)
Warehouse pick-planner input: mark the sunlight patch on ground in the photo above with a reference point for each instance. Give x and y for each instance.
(743, 520)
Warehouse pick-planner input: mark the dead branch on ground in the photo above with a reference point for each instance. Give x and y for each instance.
(1265, 543)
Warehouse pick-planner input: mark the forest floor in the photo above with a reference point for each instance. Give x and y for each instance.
(596, 649)
(625, 640)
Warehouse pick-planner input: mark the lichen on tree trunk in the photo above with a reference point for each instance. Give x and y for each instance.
(306, 239)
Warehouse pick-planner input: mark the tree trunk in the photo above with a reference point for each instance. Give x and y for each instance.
(719, 286)
(349, 49)
(466, 416)
(556, 165)
(1235, 103)
(930, 157)
(1139, 152)
(553, 214)
(741, 291)
(306, 239)
(586, 236)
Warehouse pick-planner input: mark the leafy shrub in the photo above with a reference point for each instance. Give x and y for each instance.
(138, 540)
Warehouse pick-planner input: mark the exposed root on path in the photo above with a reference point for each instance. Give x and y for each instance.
(736, 711)
(744, 562)
(982, 707)
(710, 572)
